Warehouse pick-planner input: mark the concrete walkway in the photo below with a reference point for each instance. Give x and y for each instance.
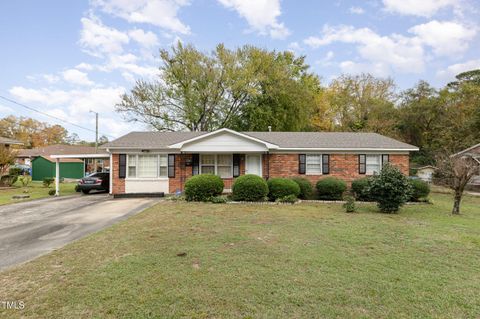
(34, 228)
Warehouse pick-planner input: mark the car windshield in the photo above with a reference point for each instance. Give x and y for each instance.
(98, 175)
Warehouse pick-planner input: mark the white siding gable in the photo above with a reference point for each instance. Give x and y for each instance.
(224, 142)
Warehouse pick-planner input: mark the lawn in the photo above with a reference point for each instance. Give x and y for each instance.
(262, 261)
(35, 190)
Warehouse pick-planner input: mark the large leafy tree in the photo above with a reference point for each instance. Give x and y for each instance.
(247, 88)
(359, 103)
(31, 132)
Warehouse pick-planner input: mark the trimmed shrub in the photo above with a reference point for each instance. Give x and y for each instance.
(219, 200)
(420, 189)
(250, 188)
(391, 189)
(8, 180)
(349, 204)
(51, 192)
(292, 199)
(306, 188)
(25, 180)
(331, 188)
(201, 188)
(281, 187)
(47, 181)
(15, 171)
(361, 189)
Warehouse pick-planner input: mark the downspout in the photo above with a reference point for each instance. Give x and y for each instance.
(268, 165)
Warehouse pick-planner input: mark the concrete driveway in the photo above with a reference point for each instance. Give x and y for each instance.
(31, 229)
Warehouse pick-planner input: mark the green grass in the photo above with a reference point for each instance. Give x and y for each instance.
(259, 261)
(36, 190)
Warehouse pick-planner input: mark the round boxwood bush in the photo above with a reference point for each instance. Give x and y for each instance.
(306, 188)
(282, 187)
(249, 188)
(202, 187)
(361, 189)
(420, 189)
(391, 189)
(331, 188)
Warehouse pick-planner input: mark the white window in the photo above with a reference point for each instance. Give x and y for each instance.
(207, 164)
(221, 165)
(314, 164)
(373, 164)
(147, 166)
(132, 165)
(224, 166)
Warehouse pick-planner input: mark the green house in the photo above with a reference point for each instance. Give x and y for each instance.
(43, 167)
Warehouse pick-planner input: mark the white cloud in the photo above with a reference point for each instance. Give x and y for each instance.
(99, 40)
(423, 8)
(261, 15)
(129, 63)
(75, 76)
(454, 69)
(394, 52)
(378, 69)
(356, 10)
(161, 13)
(446, 38)
(84, 66)
(51, 78)
(74, 105)
(5, 109)
(326, 60)
(146, 39)
(44, 96)
(295, 47)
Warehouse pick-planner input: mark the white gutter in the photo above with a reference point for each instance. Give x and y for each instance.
(356, 149)
(105, 155)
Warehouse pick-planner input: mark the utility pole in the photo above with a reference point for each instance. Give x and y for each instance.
(96, 130)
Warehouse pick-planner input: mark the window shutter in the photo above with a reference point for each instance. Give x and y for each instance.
(301, 163)
(325, 164)
(195, 164)
(236, 165)
(362, 167)
(171, 165)
(122, 165)
(385, 159)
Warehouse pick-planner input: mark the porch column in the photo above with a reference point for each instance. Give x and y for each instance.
(57, 177)
(110, 172)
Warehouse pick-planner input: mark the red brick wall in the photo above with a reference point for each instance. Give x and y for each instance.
(344, 166)
(118, 186)
(183, 172)
(401, 161)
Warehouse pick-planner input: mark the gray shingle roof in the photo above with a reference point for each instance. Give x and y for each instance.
(327, 140)
(9, 141)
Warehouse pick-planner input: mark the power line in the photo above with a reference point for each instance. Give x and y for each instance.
(49, 115)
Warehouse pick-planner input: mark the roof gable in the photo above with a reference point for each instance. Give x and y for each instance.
(224, 140)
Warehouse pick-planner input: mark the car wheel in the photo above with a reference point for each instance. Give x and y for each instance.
(85, 191)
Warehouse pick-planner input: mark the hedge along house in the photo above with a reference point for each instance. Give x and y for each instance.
(156, 162)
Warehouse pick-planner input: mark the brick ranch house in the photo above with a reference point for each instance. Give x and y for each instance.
(153, 162)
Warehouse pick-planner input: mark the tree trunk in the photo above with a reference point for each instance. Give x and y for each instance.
(456, 203)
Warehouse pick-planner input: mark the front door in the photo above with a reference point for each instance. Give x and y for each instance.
(253, 164)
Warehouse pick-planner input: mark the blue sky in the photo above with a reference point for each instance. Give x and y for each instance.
(68, 57)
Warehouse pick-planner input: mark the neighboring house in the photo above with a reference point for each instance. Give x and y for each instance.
(148, 162)
(8, 141)
(43, 165)
(473, 151)
(425, 173)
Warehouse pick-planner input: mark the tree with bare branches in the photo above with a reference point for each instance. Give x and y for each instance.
(455, 172)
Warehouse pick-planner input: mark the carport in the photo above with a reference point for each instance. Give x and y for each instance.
(78, 156)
